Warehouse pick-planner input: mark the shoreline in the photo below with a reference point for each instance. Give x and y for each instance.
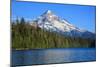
(49, 48)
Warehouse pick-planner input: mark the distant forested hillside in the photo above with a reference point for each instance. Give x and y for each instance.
(25, 36)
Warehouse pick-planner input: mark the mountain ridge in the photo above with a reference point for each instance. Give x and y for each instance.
(53, 23)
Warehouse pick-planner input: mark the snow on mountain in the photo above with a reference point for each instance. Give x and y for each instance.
(51, 22)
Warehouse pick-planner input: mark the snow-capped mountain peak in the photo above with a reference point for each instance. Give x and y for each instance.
(49, 15)
(51, 22)
(49, 12)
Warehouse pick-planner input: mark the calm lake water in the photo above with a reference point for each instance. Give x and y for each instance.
(48, 56)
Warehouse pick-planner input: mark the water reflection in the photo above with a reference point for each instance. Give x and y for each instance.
(45, 56)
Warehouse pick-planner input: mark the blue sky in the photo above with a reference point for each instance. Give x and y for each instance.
(82, 17)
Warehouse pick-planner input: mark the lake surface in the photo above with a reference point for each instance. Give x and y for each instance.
(48, 56)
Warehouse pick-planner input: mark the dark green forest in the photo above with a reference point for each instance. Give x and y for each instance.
(26, 36)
